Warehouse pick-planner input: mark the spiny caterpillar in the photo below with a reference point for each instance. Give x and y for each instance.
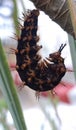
(39, 75)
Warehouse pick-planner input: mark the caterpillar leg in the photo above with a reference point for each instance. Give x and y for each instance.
(69, 70)
(21, 85)
(63, 84)
(37, 94)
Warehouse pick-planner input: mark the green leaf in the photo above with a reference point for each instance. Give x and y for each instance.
(9, 90)
(72, 11)
(73, 52)
(15, 17)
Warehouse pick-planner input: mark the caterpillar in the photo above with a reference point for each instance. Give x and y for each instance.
(39, 75)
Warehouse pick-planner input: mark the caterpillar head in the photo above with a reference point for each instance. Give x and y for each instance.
(35, 12)
(56, 57)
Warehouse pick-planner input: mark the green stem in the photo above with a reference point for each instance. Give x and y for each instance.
(72, 14)
(10, 93)
(15, 16)
(71, 40)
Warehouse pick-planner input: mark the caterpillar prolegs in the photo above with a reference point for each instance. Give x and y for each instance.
(39, 75)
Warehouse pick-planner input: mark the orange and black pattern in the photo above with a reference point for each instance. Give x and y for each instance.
(39, 75)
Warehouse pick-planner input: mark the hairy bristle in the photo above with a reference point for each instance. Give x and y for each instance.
(40, 75)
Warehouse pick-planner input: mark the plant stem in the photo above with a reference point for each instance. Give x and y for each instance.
(72, 14)
(9, 91)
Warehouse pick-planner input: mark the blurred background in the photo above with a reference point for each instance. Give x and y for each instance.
(50, 112)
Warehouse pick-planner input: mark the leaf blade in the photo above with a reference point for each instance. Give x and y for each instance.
(10, 93)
